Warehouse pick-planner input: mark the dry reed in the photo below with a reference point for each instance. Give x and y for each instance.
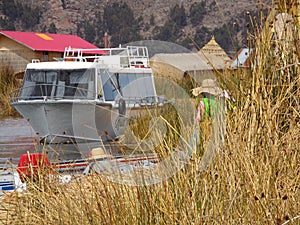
(8, 84)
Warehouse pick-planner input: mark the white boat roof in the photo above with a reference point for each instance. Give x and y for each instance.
(65, 65)
(130, 70)
(131, 58)
(61, 65)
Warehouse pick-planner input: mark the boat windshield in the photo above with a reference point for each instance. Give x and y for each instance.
(65, 84)
(127, 85)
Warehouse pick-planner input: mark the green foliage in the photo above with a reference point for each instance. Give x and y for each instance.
(63, 3)
(212, 5)
(177, 15)
(197, 12)
(30, 16)
(125, 35)
(16, 12)
(9, 9)
(226, 36)
(120, 23)
(168, 32)
(187, 43)
(52, 28)
(152, 20)
(44, 29)
(171, 30)
(202, 36)
(250, 18)
(89, 31)
(7, 24)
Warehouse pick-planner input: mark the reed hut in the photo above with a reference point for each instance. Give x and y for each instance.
(199, 66)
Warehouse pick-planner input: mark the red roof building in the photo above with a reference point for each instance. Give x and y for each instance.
(17, 49)
(47, 42)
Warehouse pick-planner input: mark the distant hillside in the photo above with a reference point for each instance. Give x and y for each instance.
(188, 23)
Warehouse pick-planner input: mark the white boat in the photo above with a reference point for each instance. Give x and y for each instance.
(10, 180)
(87, 95)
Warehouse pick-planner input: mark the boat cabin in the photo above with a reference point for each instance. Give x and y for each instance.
(86, 74)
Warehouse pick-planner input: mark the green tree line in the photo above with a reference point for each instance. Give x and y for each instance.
(18, 12)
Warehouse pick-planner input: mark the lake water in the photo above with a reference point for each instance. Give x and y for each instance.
(16, 138)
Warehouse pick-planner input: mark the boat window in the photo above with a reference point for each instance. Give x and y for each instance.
(127, 85)
(67, 84)
(77, 83)
(109, 88)
(38, 84)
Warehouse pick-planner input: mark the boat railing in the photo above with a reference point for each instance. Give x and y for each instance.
(131, 56)
(58, 92)
(150, 100)
(50, 91)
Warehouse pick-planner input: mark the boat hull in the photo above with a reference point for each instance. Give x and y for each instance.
(60, 122)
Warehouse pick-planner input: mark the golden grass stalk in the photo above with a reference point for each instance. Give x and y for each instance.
(8, 83)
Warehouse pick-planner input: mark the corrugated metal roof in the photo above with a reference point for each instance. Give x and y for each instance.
(190, 61)
(48, 42)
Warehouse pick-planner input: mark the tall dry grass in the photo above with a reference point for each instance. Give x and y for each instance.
(8, 84)
(254, 179)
